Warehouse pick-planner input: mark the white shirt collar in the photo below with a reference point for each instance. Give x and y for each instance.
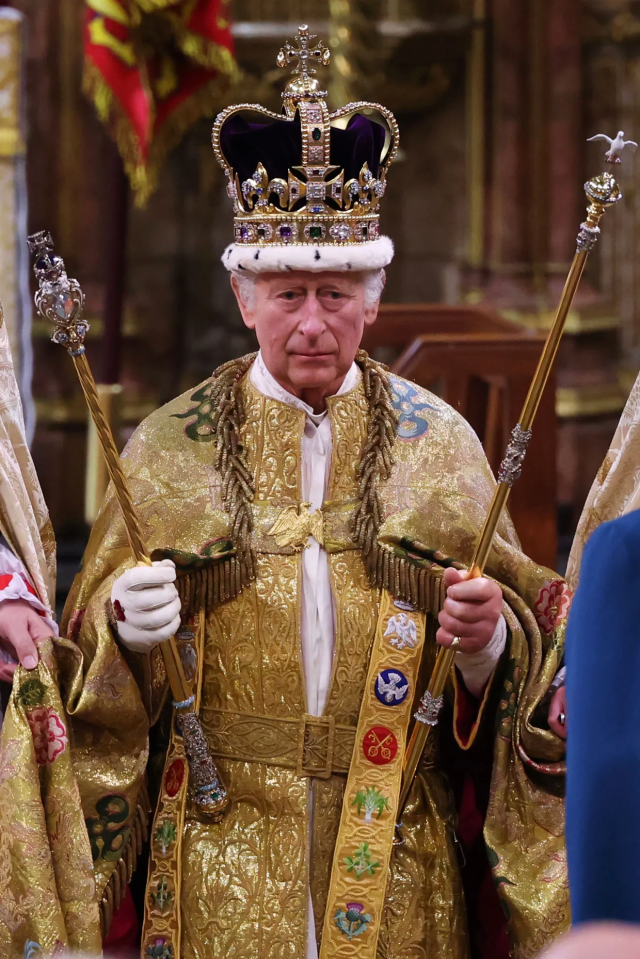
(266, 384)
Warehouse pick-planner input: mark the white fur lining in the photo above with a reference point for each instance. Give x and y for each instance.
(373, 255)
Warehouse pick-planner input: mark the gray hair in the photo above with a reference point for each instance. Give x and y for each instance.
(373, 282)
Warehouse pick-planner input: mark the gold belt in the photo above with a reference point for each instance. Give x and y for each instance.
(313, 745)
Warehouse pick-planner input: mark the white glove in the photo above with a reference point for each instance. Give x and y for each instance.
(146, 605)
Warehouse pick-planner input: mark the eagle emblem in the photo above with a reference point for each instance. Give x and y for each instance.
(402, 631)
(296, 524)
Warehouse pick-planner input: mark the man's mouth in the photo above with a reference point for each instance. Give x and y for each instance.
(313, 356)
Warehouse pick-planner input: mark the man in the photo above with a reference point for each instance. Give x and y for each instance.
(310, 503)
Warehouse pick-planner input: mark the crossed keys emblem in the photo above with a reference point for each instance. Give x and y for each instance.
(380, 745)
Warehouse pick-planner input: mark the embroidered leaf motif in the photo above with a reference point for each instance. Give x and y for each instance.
(361, 862)
(163, 896)
(370, 801)
(166, 835)
(31, 693)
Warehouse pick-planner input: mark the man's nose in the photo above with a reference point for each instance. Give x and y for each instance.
(312, 316)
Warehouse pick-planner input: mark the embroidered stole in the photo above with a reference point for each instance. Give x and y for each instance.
(367, 824)
(162, 929)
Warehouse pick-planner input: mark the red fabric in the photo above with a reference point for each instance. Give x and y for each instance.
(150, 89)
(467, 712)
(487, 918)
(6, 578)
(122, 939)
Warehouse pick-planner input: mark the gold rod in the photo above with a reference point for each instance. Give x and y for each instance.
(61, 301)
(173, 663)
(602, 192)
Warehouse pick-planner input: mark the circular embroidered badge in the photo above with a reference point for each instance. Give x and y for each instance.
(174, 777)
(392, 687)
(380, 745)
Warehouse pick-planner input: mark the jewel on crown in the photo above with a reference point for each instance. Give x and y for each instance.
(281, 179)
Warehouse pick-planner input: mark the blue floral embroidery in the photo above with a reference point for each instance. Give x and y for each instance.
(412, 421)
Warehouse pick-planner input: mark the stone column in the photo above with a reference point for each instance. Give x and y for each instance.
(14, 258)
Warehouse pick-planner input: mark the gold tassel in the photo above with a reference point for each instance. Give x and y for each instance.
(115, 889)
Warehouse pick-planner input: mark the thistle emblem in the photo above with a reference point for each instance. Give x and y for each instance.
(353, 921)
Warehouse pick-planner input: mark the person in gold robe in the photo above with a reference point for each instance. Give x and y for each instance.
(310, 517)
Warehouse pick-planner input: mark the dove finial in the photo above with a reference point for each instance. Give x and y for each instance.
(616, 145)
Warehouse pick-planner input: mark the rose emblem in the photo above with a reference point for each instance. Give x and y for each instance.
(552, 605)
(49, 734)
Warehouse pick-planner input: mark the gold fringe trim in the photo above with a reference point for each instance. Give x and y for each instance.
(207, 588)
(120, 878)
(144, 177)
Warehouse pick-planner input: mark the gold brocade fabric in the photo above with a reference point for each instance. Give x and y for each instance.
(24, 519)
(245, 882)
(616, 488)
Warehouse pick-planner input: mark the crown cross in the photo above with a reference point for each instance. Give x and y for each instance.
(304, 53)
(314, 187)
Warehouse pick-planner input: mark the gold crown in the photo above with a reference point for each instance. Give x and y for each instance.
(287, 191)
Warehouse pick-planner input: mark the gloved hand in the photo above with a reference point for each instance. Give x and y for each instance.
(146, 605)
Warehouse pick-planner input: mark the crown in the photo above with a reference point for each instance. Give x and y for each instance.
(306, 181)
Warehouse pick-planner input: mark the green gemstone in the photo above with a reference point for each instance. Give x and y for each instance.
(317, 134)
(315, 232)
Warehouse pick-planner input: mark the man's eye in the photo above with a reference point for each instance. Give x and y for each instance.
(334, 295)
(289, 295)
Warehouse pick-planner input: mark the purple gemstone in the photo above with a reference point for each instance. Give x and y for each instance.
(285, 231)
(244, 232)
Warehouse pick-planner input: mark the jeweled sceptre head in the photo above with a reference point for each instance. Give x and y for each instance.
(306, 184)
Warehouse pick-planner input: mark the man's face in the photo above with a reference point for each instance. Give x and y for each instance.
(309, 326)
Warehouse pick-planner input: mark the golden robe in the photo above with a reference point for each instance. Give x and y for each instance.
(241, 886)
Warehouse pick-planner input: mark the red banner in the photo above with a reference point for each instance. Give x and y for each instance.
(152, 68)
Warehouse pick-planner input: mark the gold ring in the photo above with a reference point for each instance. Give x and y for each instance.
(456, 642)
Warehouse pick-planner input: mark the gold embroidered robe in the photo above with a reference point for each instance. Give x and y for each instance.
(243, 883)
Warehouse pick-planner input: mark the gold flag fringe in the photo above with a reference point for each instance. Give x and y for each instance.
(116, 888)
(225, 578)
(210, 55)
(142, 176)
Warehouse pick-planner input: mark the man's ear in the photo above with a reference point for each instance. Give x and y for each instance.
(245, 309)
(371, 312)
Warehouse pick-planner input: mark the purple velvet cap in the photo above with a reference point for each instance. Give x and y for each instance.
(277, 144)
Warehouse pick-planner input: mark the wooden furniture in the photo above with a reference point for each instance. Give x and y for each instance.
(482, 366)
